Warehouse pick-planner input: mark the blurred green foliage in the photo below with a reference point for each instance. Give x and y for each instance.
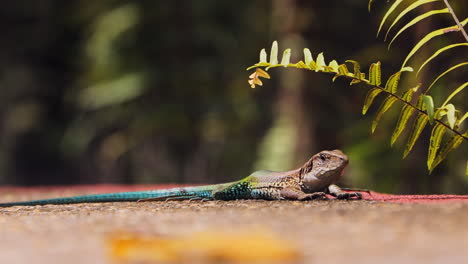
(156, 91)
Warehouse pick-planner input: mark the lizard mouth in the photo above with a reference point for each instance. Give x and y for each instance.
(343, 171)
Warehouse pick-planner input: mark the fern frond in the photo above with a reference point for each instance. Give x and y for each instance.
(430, 36)
(387, 14)
(438, 52)
(425, 109)
(416, 20)
(409, 8)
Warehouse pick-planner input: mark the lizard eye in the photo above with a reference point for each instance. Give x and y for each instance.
(322, 157)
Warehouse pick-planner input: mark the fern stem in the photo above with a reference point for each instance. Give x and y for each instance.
(462, 30)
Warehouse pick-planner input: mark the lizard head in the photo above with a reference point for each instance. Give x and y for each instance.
(326, 166)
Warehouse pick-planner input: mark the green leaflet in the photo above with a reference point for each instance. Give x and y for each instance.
(369, 99)
(445, 72)
(308, 56)
(375, 74)
(357, 72)
(451, 115)
(286, 57)
(459, 89)
(405, 114)
(418, 127)
(369, 4)
(449, 111)
(390, 10)
(429, 105)
(431, 35)
(392, 83)
(320, 62)
(416, 20)
(263, 56)
(434, 144)
(334, 65)
(301, 65)
(357, 68)
(274, 53)
(342, 71)
(389, 101)
(406, 11)
(452, 144)
(439, 52)
(460, 121)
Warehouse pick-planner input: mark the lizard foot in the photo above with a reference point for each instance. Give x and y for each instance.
(313, 196)
(349, 196)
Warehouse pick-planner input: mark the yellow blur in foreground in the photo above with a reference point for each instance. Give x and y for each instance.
(203, 247)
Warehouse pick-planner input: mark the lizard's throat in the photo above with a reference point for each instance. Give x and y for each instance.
(321, 178)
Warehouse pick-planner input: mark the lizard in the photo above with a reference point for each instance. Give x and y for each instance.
(314, 180)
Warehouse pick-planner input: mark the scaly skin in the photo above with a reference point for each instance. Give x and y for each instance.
(313, 180)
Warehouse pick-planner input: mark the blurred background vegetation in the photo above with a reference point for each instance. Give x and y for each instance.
(156, 91)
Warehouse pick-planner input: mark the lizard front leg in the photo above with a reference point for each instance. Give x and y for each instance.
(336, 191)
(292, 194)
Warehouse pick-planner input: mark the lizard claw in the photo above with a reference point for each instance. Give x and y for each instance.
(349, 196)
(314, 196)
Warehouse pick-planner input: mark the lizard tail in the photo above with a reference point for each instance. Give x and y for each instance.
(199, 192)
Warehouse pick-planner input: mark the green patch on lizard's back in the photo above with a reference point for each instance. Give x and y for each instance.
(237, 190)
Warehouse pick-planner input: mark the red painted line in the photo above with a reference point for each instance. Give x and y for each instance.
(429, 198)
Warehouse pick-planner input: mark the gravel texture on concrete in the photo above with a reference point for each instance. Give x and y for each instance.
(322, 231)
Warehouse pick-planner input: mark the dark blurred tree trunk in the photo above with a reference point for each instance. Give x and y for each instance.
(291, 139)
(35, 69)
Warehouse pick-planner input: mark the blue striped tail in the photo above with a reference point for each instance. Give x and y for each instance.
(174, 193)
